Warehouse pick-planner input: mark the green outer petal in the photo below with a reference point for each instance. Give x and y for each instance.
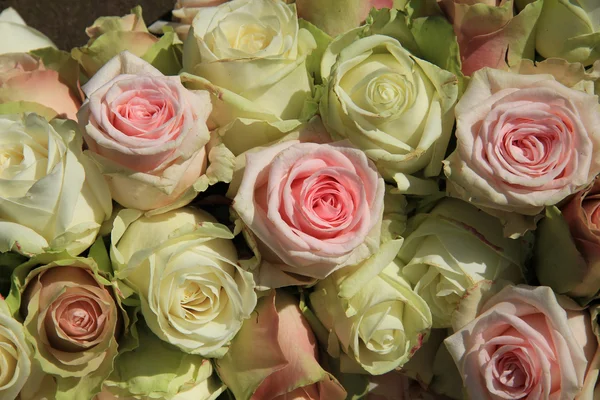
(557, 261)
(165, 55)
(61, 62)
(313, 63)
(254, 353)
(19, 107)
(157, 369)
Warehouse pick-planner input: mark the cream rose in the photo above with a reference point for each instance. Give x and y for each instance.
(373, 316)
(184, 267)
(51, 195)
(523, 344)
(448, 251)
(524, 142)
(17, 36)
(15, 354)
(314, 208)
(146, 132)
(252, 56)
(392, 105)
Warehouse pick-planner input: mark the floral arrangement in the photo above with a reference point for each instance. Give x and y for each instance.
(318, 200)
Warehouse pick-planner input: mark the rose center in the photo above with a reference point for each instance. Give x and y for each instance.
(252, 38)
(328, 202)
(198, 301)
(11, 156)
(390, 92)
(80, 318)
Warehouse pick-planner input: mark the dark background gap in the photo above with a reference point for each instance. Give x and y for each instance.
(64, 21)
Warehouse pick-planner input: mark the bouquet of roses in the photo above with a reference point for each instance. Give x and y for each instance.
(319, 200)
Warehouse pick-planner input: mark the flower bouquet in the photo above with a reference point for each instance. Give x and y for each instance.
(318, 200)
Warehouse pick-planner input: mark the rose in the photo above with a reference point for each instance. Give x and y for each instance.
(523, 344)
(314, 208)
(373, 316)
(577, 41)
(523, 142)
(71, 318)
(15, 356)
(275, 356)
(184, 267)
(453, 248)
(17, 37)
(184, 13)
(110, 36)
(395, 107)
(24, 78)
(60, 206)
(489, 34)
(146, 132)
(572, 240)
(259, 79)
(157, 370)
(336, 18)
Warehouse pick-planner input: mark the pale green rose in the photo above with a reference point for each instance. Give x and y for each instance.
(110, 36)
(375, 320)
(395, 107)
(15, 355)
(569, 29)
(51, 195)
(183, 265)
(158, 370)
(251, 55)
(449, 250)
(17, 37)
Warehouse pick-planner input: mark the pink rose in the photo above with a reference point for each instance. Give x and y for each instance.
(488, 30)
(146, 132)
(275, 356)
(524, 142)
(24, 78)
(313, 207)
(524, 345)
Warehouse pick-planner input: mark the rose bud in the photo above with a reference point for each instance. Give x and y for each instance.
(24, 78)
(275, 356)
(489, 31)
(567, 250)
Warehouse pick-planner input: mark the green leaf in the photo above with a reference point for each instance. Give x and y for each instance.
(99, 254)
(313, 62)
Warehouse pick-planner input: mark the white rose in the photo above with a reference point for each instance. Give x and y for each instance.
(448, 251)
(15, 355)
(17, 37)
(252, 56)
(184, 268)
(51, 195)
